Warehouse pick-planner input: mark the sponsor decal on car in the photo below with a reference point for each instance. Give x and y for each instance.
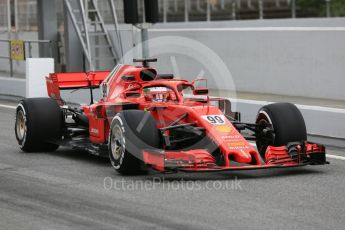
(236, 145)
(95, 131)
(231, 137)
(223, 128)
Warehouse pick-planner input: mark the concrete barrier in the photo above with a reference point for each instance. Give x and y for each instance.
(306, 62)
(293, 57)
(34, 84)
(320, 121)
(12, 87)
(36, 71)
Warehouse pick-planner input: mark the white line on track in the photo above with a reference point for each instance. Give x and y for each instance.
(306, 107)
(8, 106)
(335, 157)
(253, 144)
(251, 29)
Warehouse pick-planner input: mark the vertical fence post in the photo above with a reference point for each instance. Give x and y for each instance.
(222, 4)
(186, 10)
(51, 43)
(261, 9)
(233, 10)
(143, 10)
(238, 4)
(9, 28)
(9, 16)
(175, 6)
(208, 11)
(198, 5)
(164, 11)
(328, 8)
(249, 4)
(30, 50)
(293, 8)
(144, 43)
(16, 15)
(278, 3)
(10, 58)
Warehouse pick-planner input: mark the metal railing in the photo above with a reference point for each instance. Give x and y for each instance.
(208, 10)
(24, 15)
(28, 49)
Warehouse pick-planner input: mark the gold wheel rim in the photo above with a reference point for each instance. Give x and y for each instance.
(21, 125)
(116, 142)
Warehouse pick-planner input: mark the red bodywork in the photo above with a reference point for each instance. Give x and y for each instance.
(118, 90)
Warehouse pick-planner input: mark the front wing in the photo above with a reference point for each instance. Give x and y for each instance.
(199, 160)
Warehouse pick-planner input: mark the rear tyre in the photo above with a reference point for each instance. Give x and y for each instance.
(287, 123)
(131, 131)
(38, 124)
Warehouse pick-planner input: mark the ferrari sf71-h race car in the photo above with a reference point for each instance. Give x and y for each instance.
(145, 119)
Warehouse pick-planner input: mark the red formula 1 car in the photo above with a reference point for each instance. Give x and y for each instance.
(145, 119)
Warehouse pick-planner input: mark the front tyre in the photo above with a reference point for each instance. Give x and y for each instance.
(38, 123)
(131, 131)
(284, 124)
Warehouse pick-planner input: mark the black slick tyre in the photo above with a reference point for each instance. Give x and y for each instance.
(287, 123)
(38, 124)
(131, 131)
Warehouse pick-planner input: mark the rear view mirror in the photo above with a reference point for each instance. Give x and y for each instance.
(200, 91)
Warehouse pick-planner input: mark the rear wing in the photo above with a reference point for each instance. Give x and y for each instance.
(65, 81)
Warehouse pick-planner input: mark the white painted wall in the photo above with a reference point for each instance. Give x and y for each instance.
(36, 71)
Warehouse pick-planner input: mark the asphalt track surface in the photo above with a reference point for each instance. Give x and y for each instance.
(74, 190)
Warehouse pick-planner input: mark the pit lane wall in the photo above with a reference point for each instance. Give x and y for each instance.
(294, 57)
(324, 124)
